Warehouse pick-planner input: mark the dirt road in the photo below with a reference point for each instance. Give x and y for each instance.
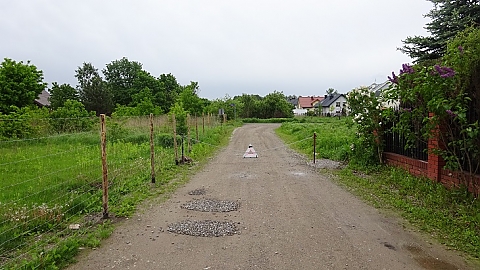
(290, 217)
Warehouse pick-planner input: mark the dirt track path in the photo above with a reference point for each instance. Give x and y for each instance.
(290, 217)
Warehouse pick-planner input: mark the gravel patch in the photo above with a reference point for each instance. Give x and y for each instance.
(326, 164)
(210, 205)
(198, 191)
(204, 228)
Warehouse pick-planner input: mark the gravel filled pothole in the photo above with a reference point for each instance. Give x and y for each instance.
(211, 205)
(199, 191)
(204, 228)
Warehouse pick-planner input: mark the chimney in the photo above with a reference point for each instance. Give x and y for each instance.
(325, 97)
(311, 98)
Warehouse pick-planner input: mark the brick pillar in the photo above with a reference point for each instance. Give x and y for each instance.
(435, 162)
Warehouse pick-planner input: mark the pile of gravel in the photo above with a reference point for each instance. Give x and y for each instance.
(205, 228)
(200, 191)
(326, 164)
(209, 205)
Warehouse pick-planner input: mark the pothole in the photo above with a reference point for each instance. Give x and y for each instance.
(204, 228)
(211, 205)
(198, 191)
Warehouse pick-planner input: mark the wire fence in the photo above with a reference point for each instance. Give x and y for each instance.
(52, 182)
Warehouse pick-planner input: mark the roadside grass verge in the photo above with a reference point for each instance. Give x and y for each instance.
(452, 216)
(334, 136)
(49, 184)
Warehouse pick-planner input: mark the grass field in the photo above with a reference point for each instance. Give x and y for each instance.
(48, 184)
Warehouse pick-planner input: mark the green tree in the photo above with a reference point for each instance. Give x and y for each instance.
(145, 80)
(20, 84)
(93, 92)
(169, 93)
(180, 118)
(120, 76)
(143, 102)
(249, 105)
(331, 91)
(275, 105)
(449, 17)
(190, 100)
(72, 117)
(59, 94)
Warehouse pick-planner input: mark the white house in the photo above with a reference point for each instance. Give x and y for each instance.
(333, 104)
(378, 90)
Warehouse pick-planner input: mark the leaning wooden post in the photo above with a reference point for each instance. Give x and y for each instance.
(104, 166)
(196, 127)
(175, 137)
(314, 146)
(152, 149)
(188, 134)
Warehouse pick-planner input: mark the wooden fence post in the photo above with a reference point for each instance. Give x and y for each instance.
(196, 126)
(175, 137)
(152, 149)
(188, 134)
(203, 124)
(314, 146)
(104, 166)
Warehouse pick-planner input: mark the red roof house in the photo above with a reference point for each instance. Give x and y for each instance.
(308, 102)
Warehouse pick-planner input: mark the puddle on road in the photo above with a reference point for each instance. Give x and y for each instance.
(428, 262)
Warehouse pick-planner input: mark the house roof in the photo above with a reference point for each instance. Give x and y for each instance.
(329, 100)
(293, 101)
(378, 88)
(42, 99)
(307, 102)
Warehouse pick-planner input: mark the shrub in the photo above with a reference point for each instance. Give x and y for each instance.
(72, 117)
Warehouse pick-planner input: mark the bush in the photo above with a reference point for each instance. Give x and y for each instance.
(72, 117)
(23, 123)
(164, 140)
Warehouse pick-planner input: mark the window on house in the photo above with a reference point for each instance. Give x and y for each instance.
(337, 104)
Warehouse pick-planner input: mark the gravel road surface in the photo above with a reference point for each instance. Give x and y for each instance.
(287, 215)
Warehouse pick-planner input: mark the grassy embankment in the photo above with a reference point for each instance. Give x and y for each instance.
(50, 183)
(450, 216)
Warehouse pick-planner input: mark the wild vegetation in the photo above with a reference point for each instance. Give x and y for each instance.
(52, 183)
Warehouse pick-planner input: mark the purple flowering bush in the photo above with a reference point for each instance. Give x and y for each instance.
(450, 89)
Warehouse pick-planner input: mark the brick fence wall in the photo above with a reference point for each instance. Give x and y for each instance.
(433, 168)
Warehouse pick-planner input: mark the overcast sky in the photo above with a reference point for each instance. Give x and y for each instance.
(229, 47)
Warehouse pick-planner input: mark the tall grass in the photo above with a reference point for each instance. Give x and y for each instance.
(334, 136)
(48, 183)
